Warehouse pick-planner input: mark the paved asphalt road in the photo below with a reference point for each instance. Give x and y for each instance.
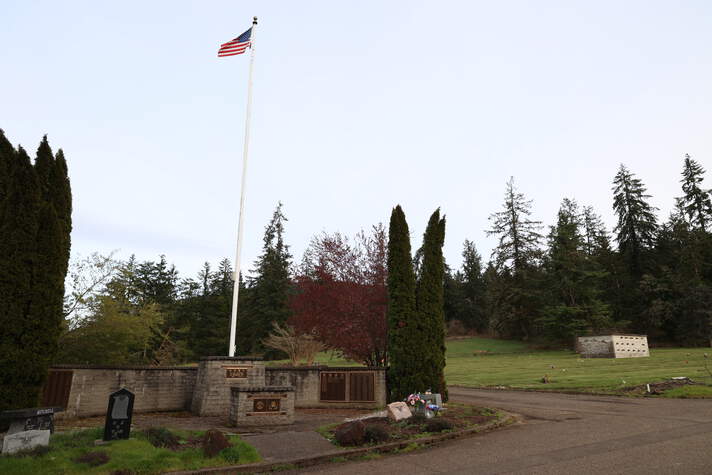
(566, 434)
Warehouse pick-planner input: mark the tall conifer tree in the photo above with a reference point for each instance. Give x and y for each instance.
(574, 280)
(695, 203)
(34, 254)
(270, 287)
(637, 223)
(430, 304)
(405, 333)
(514, 294)
(18, 260)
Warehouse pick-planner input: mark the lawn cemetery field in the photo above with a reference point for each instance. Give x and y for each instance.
(493, 363)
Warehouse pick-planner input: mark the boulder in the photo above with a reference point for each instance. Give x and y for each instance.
(351, 433)
(398, 411)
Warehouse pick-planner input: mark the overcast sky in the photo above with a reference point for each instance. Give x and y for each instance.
(358, 106)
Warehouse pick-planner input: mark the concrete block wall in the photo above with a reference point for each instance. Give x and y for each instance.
(613, 346)
(307, 384)
(211, 396)
(160, 389)
(595, 346)
(630, 346)
(156, 389)
(242, 406)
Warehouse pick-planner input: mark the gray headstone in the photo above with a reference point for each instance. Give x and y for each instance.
(26, 440)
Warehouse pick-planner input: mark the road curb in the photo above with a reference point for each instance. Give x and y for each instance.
(508, 419)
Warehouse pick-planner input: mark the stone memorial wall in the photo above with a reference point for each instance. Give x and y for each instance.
(84, 390)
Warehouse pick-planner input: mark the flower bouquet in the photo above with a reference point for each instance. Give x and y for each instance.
(421, 406)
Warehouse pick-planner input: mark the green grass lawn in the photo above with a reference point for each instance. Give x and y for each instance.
(488, 362)
(567, 371)
(136, 455)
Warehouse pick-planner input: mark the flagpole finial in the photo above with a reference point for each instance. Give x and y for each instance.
(254, 20)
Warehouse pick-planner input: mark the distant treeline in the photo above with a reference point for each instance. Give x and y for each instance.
(575, 278)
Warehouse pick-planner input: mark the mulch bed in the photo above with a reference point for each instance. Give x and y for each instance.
(458, 416)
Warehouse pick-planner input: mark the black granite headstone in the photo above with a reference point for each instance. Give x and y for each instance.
(118, 415)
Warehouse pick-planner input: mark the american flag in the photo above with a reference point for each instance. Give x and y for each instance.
(236, 46)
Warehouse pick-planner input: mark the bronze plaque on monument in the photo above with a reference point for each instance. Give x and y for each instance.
(266, 405)
(233, 373)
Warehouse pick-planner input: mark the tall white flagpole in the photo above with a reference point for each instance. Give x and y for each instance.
(236, 287)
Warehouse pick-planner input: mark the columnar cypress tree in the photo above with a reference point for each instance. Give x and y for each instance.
(430, 304)
(35, 222)
(61, 198)
(18, 259)
(6, 153)
(406, 343)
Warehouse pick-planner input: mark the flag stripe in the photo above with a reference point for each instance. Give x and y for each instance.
(236, 46)
(243, 46)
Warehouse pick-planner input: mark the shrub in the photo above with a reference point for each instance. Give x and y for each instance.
(231, 454)
(214, 442)
(161, 437)
(93, 459)
(417, 419)
(351, 433)
(376, 434)
(437, 425)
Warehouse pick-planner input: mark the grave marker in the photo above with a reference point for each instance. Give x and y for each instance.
(119, 415)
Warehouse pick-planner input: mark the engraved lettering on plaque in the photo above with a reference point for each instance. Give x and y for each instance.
(236, 373)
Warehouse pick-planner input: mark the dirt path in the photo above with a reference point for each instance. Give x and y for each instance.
(565, 434)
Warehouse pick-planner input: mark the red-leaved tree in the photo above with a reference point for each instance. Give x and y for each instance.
(341, 294)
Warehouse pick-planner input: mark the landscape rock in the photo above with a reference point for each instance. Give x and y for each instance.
(351, 433)
(25, 440)
(398, 411)
(213, 442)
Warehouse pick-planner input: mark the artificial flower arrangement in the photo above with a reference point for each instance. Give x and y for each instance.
(421, 404)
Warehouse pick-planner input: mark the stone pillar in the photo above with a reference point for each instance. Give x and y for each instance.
(216, 375)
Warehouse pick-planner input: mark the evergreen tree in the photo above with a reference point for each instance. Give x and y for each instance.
(574, 281)
(204, 312)
(453, 298)
(635, 232)
(406, 337)
(18, 260)
(695, 204)
(516, 260)
(7, 156)
(637, 224)
(430, 303)
(61, 198)
(472, 283)
(269, 288)
(519, 237)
